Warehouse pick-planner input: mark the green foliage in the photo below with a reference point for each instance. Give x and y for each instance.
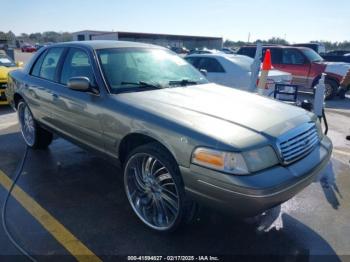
(45, 37)
(335, 45)
(280, 41)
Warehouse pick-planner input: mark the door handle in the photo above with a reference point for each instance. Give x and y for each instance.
(55, 96)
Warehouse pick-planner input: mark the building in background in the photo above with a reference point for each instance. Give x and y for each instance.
(190, 42)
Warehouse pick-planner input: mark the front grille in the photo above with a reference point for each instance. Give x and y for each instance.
(298, 142)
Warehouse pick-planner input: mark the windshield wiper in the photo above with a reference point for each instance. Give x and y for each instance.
(183, 82)
(142, 84)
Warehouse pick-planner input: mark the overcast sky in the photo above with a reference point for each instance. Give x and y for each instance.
(297, 21)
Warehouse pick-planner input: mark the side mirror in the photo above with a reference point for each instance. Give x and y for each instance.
(307, 105)
(79, 83)
(19, 64)
(204, 72)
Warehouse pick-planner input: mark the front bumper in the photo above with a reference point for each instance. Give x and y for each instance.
(251, 195)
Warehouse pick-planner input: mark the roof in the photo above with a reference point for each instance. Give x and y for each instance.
(146, 34)
(276, 46)
(91, 31)
(102, 44)
(220, 54)
(232, 57)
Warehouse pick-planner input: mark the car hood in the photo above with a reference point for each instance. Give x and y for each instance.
(220, 111)
(4, 72)
(338, 68)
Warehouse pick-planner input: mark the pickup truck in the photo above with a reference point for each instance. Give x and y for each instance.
(305, 65)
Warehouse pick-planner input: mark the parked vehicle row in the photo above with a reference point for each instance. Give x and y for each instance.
(180, 139)
(337, 56)
(305, 65)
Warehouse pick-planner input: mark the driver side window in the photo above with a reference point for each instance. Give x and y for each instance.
(77, 63)
(292, 57)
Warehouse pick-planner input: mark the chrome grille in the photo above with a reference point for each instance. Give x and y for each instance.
(298, 142)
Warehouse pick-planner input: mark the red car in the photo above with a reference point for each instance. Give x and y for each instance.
(305, 65)
(28, 48)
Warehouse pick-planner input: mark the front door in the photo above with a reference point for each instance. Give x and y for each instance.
(294, 62)
(76, 114)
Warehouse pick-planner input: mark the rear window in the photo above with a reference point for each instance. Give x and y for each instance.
(248, 51)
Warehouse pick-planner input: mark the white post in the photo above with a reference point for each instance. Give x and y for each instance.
(319, 96)
(255, 68)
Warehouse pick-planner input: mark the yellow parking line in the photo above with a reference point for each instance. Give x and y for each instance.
(337, 151)
(54, 227)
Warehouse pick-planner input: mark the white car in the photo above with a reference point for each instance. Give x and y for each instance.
(234, 71)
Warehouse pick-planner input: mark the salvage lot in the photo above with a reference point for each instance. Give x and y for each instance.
(84, 193)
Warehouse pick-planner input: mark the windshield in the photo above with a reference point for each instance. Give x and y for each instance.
(312, 55)
(6, 61)
(126, 68)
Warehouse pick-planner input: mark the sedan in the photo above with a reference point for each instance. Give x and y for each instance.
(180, 140)
(234, 71)
(28, 49)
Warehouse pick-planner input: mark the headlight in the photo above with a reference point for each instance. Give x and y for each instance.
(260, 158)
(222, 161)
(236, 163)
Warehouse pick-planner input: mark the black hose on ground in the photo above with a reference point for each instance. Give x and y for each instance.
(17, 175)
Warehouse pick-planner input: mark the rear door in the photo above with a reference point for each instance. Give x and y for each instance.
(41, 83)
(76, 113)
(291, 60)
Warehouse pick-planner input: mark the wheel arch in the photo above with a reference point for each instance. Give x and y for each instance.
(16, 98)
(328, 77)
(136, 139)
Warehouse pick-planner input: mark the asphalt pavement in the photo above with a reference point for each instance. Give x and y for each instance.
(84, 192)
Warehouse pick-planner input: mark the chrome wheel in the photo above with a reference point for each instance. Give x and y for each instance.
(27, 124)
(328, 90)
(152, 191)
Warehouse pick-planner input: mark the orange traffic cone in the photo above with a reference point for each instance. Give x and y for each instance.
(267, 66)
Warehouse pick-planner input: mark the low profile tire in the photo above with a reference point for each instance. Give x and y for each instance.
(34, 136)
(155, 189)
(331, 89)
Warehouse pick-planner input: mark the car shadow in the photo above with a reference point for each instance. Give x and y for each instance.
(85, 193)
(339, 103)
(329, 186)
(335, 103)
(5, 109)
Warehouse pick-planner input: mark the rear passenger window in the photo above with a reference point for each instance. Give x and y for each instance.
(37, 65)
(50, 62)
(77, 63)
(211, 65)
(247, 51)
(276, 55)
